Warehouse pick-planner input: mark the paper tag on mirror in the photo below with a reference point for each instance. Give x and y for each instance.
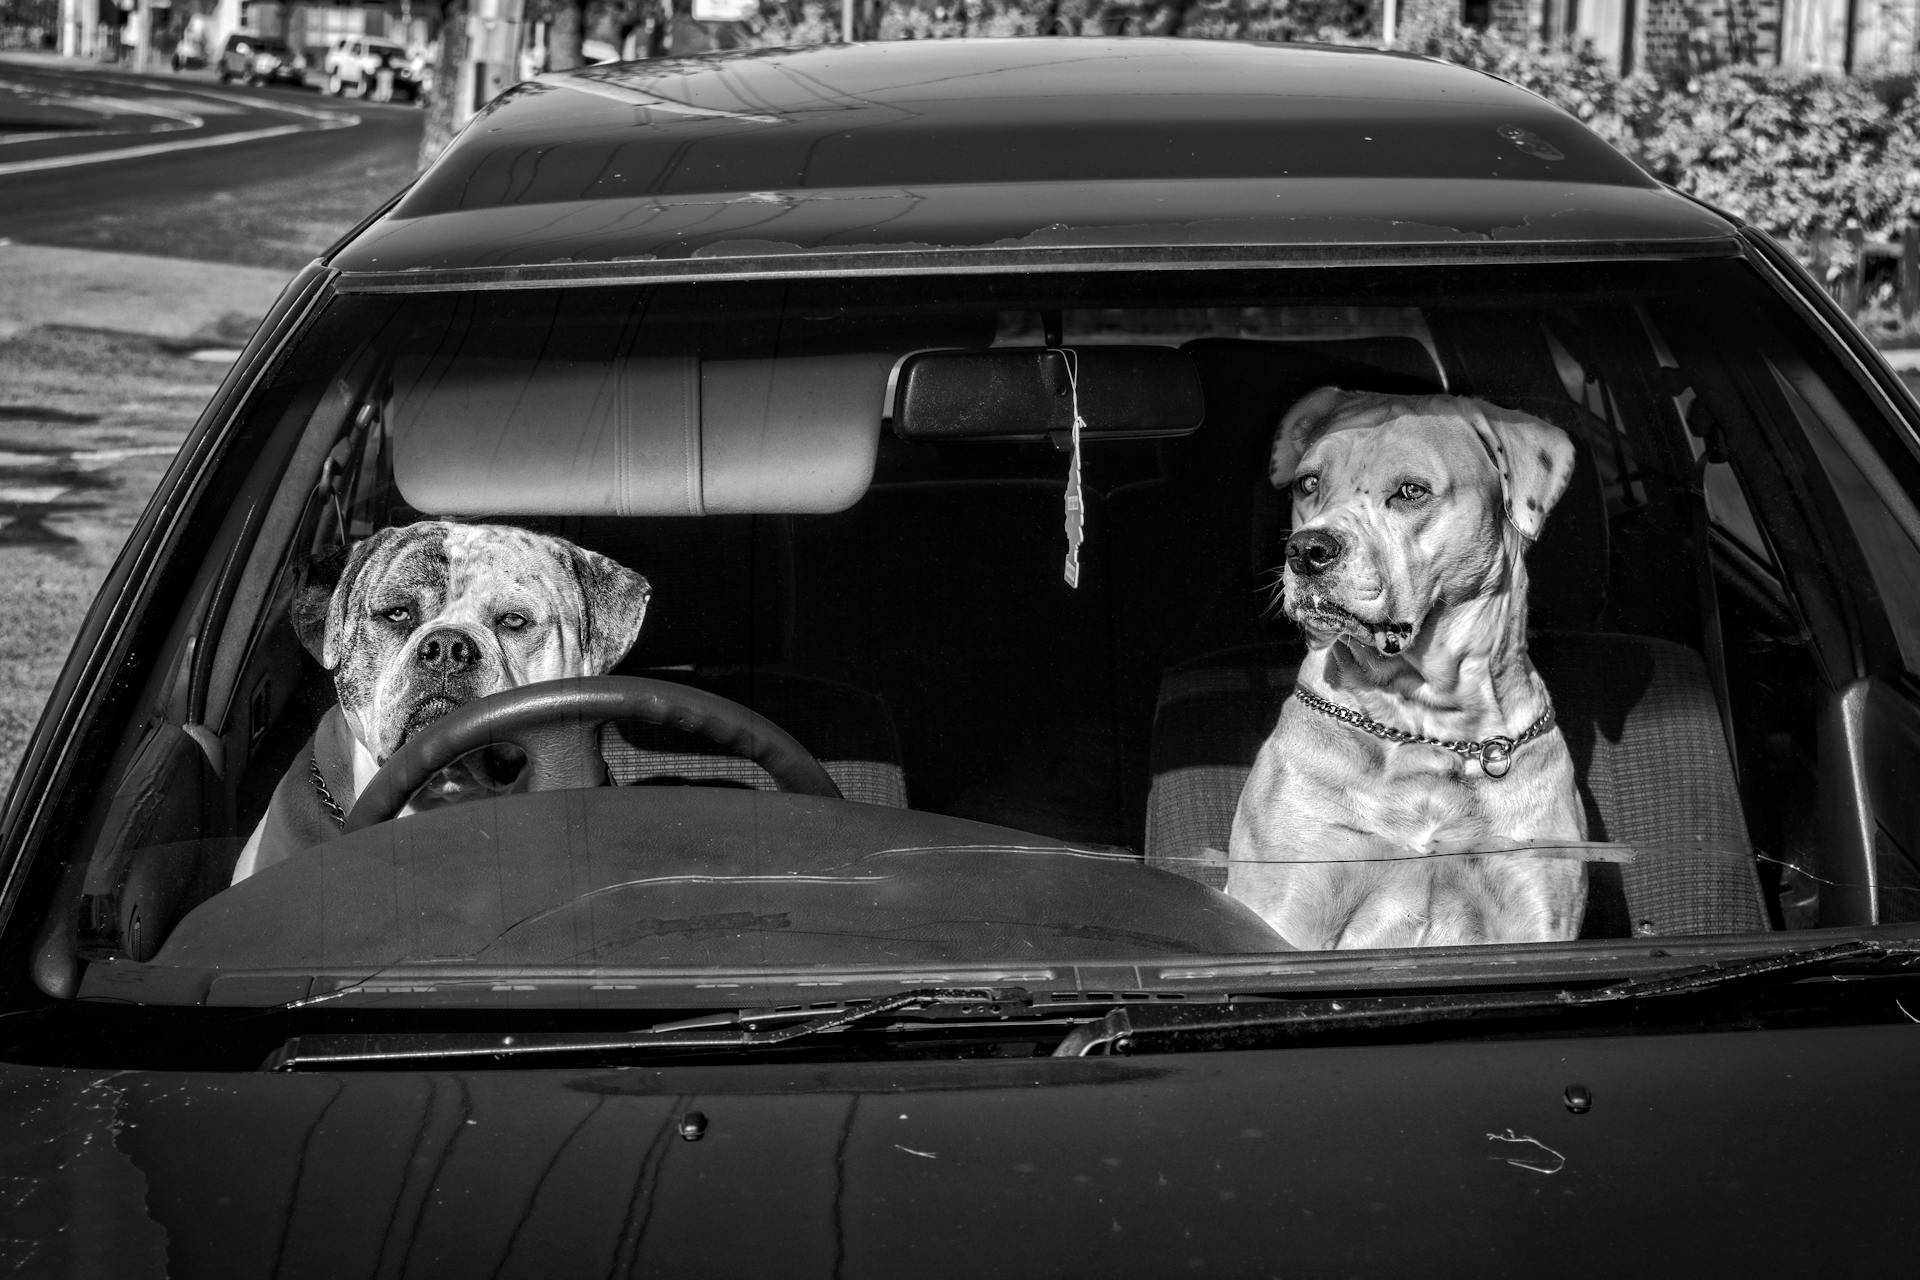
(1076, 510)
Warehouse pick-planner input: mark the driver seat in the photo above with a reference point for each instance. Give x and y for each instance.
(721, 620)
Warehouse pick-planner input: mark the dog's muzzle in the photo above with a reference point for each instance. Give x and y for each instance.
(1313, 551)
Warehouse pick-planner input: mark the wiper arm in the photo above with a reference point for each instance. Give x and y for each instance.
(727, 1031)
(1187, 1027)
(1170, 1026)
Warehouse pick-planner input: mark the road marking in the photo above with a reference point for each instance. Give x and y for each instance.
(83, 457)
(101, 457)
(222, 95)
(25, 506)
(34, 496)
(162, 148)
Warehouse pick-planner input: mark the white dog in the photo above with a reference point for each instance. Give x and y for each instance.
(1418, 731)
(426, 617)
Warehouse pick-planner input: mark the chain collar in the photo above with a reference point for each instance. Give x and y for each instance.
(331, 805)
(1494, 754)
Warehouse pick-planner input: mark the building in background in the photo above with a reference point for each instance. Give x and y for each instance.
(188, 32)
(1669, 35)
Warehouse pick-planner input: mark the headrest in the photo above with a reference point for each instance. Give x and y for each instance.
(1567, 566)
(723, 587)
(671, 435)
(1268, 375)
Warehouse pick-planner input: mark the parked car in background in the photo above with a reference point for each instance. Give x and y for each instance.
(374, 67)
(258, 59)
(874, 896)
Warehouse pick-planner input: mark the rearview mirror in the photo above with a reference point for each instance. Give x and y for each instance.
(1028, 393)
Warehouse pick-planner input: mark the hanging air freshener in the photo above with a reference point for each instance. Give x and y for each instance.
(1076, 502)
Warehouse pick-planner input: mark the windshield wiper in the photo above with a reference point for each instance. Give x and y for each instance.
(738, 1030)
(1185, 1027)
(1173, 1026)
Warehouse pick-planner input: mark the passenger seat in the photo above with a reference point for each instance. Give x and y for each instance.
(721, 619)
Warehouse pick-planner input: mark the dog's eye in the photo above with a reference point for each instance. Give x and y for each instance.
(398, 614)
(1411, 492)
(1306, 486)
(512, 621)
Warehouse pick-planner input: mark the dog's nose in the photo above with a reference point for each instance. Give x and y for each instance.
(1312, 551)
(445, 652)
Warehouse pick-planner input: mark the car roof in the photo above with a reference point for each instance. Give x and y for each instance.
(957, 151)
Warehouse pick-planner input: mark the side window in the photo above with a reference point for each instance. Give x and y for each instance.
(1879, 509)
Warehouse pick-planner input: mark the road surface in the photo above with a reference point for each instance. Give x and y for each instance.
(182, 166)
(222, 193)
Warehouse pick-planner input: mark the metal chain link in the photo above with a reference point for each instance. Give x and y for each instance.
(320, 785)
(1493, 753)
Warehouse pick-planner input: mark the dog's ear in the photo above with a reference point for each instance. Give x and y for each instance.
(320, 604)
(614, 603)
(312, 598)
(1534, 459)
(1299, 428)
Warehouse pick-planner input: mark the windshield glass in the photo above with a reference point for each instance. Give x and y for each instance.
(1108, 630)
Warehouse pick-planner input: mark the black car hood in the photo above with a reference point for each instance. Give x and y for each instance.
(1757, 1151)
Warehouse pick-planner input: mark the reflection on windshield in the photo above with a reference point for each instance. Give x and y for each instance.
(1400, 621)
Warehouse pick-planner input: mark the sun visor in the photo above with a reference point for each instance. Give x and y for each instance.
(643, 437)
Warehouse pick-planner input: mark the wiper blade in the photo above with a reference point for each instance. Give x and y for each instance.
(1185, 1027)
(726, 1031)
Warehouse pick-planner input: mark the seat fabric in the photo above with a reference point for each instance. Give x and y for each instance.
(848, 731)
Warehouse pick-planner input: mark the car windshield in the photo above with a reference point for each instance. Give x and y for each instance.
(947, 628)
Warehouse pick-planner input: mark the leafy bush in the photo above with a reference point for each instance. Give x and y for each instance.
(1793, 153)
(1790, 152)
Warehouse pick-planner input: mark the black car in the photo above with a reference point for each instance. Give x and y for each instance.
(257, 59)
(868, 916)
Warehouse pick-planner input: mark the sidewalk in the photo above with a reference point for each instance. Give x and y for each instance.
(131, 293)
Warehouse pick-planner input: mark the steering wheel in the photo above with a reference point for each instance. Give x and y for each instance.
(556, 723)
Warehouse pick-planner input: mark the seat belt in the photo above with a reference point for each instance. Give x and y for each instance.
(1712, 643)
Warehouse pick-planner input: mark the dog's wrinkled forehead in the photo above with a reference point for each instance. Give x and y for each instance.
(1374, 457)
(435, 565)
(402, 570)
(1532, 459)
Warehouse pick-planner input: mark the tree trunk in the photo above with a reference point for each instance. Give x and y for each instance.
(444, 113)
(567, 35)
